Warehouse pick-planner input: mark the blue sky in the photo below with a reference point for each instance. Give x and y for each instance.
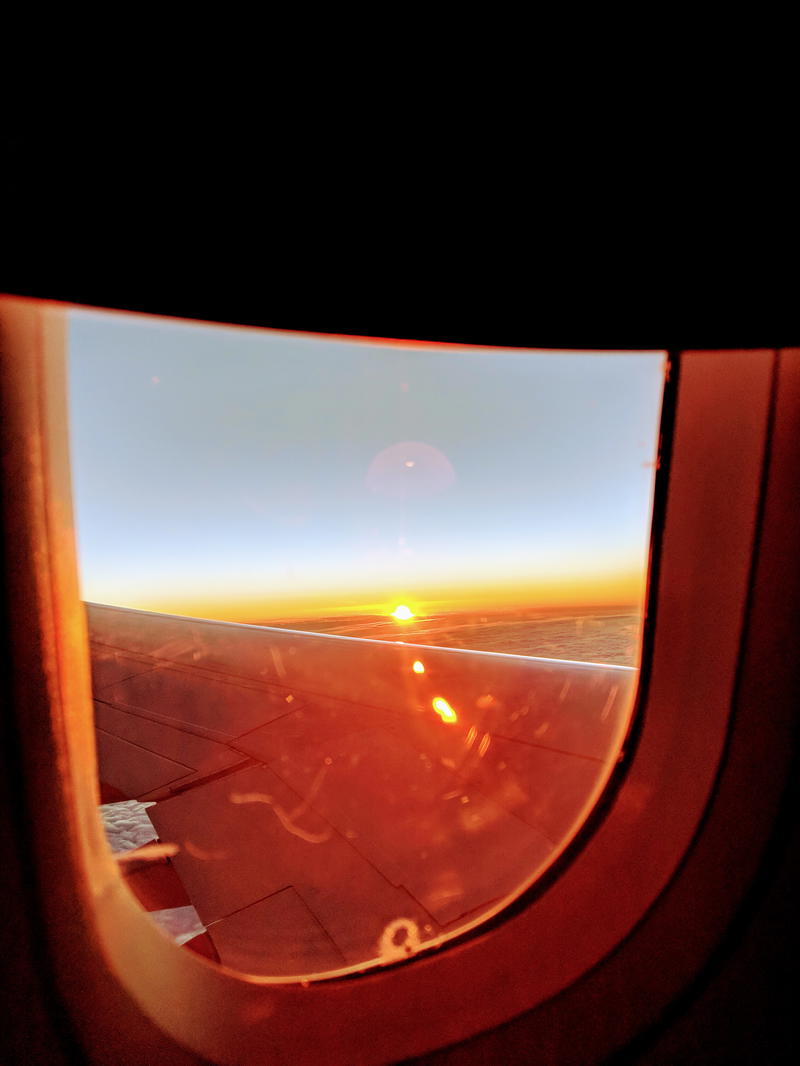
(250, 474)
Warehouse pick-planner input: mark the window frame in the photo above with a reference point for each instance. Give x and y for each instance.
(544, 949)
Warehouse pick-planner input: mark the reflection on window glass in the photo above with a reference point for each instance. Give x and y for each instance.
(365, 619)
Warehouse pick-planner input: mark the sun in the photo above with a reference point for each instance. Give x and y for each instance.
(402, 613)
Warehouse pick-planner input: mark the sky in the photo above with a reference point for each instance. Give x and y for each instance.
(254, 475)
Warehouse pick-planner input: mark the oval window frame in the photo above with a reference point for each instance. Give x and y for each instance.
(526, 960)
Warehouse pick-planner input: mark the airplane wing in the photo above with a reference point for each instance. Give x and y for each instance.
(322, 801)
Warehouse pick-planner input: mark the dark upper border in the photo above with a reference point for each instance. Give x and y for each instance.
(613, 311)
(590, 244)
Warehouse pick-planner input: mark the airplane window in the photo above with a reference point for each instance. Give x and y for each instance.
(365, 621)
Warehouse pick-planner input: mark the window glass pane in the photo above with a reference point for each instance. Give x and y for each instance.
(365, 623)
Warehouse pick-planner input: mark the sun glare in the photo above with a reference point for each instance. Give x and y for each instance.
(402, 613)
(444, 710)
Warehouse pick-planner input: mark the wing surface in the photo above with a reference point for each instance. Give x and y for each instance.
(316, 789)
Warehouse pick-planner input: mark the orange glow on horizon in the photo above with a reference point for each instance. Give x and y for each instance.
(613, 588)
(444, 710)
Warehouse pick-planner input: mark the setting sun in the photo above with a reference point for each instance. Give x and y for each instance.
(402, 613)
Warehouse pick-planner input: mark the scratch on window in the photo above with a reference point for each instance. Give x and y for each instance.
(609, 702)
(288, 819)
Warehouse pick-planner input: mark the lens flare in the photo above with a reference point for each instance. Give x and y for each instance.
(418, 667)
(444, 710)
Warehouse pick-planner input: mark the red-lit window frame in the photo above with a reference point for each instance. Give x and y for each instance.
(120, 981)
